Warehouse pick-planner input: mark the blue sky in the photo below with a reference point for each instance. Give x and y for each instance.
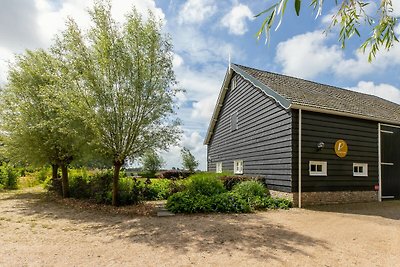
(204, 34)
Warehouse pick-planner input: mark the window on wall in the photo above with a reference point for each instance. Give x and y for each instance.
(233, 83)
(218, 167)
(238, 166)
(234, 121)
(360, 169)
(318, 168)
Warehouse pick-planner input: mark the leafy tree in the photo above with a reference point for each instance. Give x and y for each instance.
(40, 120)
(152, 163)
(189, 162)
(349, 16)
(126, 77)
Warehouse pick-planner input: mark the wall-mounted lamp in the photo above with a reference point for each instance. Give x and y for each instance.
(320, 146)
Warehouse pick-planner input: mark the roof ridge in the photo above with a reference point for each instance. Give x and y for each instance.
(314, 82)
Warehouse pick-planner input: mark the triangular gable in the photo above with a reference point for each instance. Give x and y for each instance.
(225, 86)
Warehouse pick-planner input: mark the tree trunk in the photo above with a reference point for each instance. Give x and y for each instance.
(55, 181)
(117, 167)
(64, 178)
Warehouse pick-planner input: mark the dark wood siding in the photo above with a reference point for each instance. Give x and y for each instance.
(263, 139)
(361, 137)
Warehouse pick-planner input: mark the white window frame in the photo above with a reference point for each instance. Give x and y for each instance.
(324, 169)
(238, 167)
(218, 167)
(364, 166)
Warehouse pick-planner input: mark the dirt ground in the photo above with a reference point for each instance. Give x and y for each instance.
(39, 230)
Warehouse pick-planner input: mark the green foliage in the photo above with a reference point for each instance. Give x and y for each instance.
(230, 180)
(250, 190)
(8, 176)
(205, 193)
(349, 16)
(189, 162)
(94, 186)
(152, 163)
(207, 184)
(97, 187)
(158, 189)
(126, 77)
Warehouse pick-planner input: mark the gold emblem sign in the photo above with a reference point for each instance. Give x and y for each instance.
(341, 148)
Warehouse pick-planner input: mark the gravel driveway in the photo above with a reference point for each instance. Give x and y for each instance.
(38, 230)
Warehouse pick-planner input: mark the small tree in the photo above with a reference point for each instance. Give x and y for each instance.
(40, 119)
(152, 163)
(126, 76)
(189, 162)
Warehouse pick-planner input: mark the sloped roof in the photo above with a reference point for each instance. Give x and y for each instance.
(317, 95)
(295, 93)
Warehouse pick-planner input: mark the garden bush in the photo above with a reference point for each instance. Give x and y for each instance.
(8, 176)
(175, 174)
(186, 202)
(207, 184)
(231, 180)
(205, 192)
(250, 190)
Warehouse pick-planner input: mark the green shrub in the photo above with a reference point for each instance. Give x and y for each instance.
(176, 186)
(79, 186)
(271, 203)
(230, 202)
(249, 190)
(230, 181)
(185, 202)
(8, 176)
(207, 184)
(100, 184)
(157, 189)
(42, 174)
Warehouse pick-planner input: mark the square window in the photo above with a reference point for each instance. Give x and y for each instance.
(360, 169)
(218, 167)
(238, 166)
(318, 168)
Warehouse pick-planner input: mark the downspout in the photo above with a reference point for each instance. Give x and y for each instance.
(379, 163)
(299, 158)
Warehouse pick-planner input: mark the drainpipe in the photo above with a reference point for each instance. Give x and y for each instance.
(299, 158)
(379, 163)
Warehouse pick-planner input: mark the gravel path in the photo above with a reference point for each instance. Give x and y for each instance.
(38, 230)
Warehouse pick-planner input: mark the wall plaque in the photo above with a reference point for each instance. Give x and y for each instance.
(341, 148)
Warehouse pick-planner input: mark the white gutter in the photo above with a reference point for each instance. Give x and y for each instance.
(379, 163)
(299, 158)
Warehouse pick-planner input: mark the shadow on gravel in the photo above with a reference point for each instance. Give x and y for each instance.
(389, 209)
(252, 234)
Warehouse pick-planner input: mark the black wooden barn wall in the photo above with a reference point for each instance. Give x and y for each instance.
(361, 137)
(263, 139)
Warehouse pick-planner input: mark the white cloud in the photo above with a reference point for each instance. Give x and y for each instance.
(235, 20)
(306, 55)
(177, 61)
(6, 57)
(383, 90)
(196, 11)
(51, 19)
(204, 108)
(194, 142)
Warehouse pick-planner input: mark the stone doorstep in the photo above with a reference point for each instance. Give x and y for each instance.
(164, 213)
